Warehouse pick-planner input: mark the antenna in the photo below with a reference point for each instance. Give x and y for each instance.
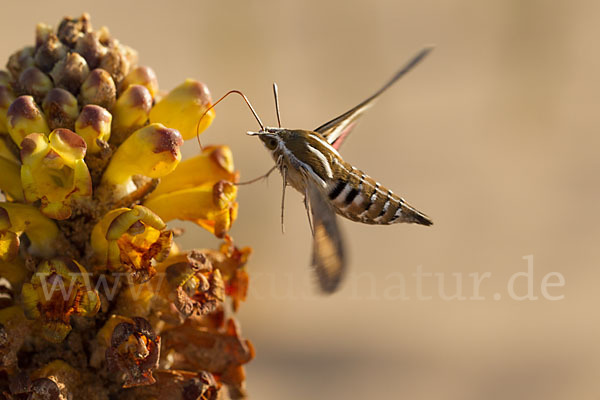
(276, 94)
(262, 127)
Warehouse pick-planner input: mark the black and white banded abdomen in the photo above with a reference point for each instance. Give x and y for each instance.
(358, 197)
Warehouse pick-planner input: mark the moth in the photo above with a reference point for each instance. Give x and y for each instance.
(310, 162)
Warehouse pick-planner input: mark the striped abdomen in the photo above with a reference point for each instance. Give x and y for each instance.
(358, 197)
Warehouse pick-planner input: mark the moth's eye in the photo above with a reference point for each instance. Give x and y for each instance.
(271, 143)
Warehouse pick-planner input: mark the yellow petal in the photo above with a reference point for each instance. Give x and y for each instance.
(10, 179)
(152, 151)
(41, 231)
(215, 163)
(182, 108)
(211, 206)
(128, 240)
(25, 117)
(144, 76)
(54, 172)
(130, 112)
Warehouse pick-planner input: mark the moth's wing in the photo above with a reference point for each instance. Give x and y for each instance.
(329, 258)
(336, 130)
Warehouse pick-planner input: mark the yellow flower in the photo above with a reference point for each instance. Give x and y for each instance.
(200, 190)
(41, 231)
(160, 148)
(58, 289)
(54, 172)
(128, 240)
(182, 108)
(211, 206)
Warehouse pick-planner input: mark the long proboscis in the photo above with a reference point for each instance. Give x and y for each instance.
(262, 127)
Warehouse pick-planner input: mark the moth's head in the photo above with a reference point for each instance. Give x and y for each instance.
(271, 137)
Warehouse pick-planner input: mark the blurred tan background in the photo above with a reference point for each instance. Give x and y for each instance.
(495, 136)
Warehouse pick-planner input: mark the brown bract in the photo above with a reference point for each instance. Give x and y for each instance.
(197, 286)
(222, 352)
(134, 350)
(178, 385)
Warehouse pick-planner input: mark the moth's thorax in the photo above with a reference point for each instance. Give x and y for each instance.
(301, 152)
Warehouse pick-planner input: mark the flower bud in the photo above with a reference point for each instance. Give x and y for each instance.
(6, 98)
(144, 76)
(5, 78)
(42, 33)
(117, 61)
(49, 53)
(182, 108)
(20, 60)
(70, 72)
(90, 48)
(59, 289)
(93, 124)
(54, 172)
(98, 88)
(71, 29)
(35, 83)
(61, 109)
(160, 149)
(130, 112)
(24, 117)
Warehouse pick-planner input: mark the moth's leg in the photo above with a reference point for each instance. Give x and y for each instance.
(284, 176)
(307, 206)
(258, 178)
